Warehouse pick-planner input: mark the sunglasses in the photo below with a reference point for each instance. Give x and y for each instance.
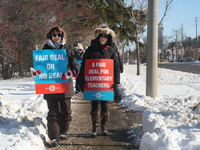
(104, 36)
(54, 35)
(79, 49)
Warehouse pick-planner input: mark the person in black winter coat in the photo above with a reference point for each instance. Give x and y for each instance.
(59, 105)
(101, 50)
(113, 45)
(79, 56)
(117, 96)
(80, 52)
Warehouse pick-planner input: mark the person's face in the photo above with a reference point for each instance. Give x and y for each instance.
(56, 37)
(80, 51)
(103, 39)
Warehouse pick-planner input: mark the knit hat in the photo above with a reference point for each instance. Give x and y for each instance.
(80, 46)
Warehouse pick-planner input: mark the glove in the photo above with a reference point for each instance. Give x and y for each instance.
(34, 72)
(114, 86)
(69, 74)
(82, 85)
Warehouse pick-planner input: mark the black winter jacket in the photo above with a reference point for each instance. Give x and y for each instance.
(99, 52)
(113, 45)
(71, 64)
(79, 56)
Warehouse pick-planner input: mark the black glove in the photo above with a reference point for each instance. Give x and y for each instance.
(82, 87)
(115, 87)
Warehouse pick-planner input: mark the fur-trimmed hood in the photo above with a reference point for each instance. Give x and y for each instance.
(107, 31)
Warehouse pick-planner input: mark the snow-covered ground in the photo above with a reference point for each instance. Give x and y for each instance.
(169, 123)
(22, 115)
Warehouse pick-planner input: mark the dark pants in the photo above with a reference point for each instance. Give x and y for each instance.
(59, 117)
(104, 106)
(78, 88)
(77, 85)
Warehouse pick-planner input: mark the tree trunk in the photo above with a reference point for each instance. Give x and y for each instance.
(138, 52)
(123, 57)
(7, 71)
(20, 65)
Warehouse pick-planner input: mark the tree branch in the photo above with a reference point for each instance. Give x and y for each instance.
(168, 3)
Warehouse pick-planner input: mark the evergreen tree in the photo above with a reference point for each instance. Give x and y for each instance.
(116, 16)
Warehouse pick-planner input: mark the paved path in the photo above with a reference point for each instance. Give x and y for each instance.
(119, 122)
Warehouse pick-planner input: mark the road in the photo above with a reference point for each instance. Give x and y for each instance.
(185, 67)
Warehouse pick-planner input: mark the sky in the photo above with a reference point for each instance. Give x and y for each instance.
(182, 12)
(168, 122)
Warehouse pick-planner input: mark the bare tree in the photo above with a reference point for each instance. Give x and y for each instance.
(167, 5)
(138, 10)
(24, 23)
(122, 46)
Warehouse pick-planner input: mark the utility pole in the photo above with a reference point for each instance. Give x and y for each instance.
(196, 41)
(152, 49)
(172, 45)
(176, 44)
(182, 41)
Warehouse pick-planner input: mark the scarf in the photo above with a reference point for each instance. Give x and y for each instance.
(55, 45)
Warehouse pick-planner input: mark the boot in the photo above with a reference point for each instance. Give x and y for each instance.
(95, 121)
(104, 118)
(54, 142)
(63, 136)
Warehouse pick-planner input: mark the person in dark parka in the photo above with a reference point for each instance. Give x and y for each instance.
(114, 46)
(59, 105)
(79, 56)
(80, 52)
(117, 96)
(101, 50)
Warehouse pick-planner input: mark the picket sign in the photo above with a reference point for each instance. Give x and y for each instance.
(99, 77)
(79, 62)
(52, 63)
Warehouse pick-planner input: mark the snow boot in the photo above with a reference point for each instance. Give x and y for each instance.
(95, 121)
(63, 136)
(104, 118)
(54, 142)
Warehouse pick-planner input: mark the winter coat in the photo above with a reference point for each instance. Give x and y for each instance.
(79, 56)
(100, 52)
(113, 45)
(71, 64)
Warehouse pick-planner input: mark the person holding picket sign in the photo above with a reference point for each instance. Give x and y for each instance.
(79, 56)
(117, 96)
(100, 50)
(59, 105)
